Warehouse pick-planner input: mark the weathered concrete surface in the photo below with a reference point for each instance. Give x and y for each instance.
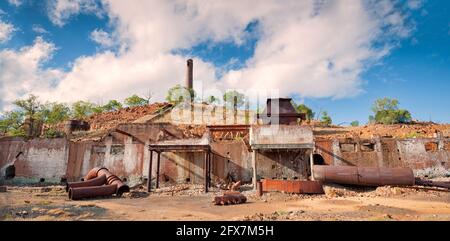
(423, 155)
(36, 158)
(281, 137)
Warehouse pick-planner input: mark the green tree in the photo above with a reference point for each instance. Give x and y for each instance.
(302, 108)
(112, 105)
(11, 123)
(233, 97)
(135, 100)
(53, 113)
(30, 106)
(386, 111)
(82, 109)
(354, 123)
(212, 100)
(179, 94)
(326, 119)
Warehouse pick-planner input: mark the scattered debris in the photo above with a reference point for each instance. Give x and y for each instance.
(230, 198)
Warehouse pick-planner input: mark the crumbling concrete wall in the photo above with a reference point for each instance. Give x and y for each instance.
(124, 157)
(426, 156)
(283, 164)
(35, 159)
(231, 161)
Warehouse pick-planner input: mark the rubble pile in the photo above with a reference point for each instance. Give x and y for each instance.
(106, 121)
(414, 130)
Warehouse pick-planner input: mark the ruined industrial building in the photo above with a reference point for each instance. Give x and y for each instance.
(273, 151)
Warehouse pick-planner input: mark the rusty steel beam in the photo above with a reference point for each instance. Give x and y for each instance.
(205, 171)
(149, 181)
(364, 176)
(78, 193)
(292, 186)
(158, 163)
(98, 181)
(111, 179)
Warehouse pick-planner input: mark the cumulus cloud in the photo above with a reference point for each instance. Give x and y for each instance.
(308, 48)
(415, 4)
(101, 37)
(39, 29)
(6, 30)
(15, 2)
(61, 10)
(23, 72)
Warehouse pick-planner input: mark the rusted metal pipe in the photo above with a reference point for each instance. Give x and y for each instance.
(78, 193)
(429, 183)
(364, 176)
(98, 181)
(111, 179)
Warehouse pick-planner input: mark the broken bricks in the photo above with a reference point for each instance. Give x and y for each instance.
(230, 198)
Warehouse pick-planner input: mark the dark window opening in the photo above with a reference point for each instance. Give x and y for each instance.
(367, 147)
(318, 159)
(10, 172)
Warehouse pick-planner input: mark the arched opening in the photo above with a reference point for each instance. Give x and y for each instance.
(318, 159)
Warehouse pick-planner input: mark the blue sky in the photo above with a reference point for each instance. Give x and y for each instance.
(415, 70)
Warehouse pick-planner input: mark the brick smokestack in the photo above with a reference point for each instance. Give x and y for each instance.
(190, 74)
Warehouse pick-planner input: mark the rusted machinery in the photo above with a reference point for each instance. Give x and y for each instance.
(230, 198)
(429, 183)
(94, 185)
(364, 176)
(290, 186)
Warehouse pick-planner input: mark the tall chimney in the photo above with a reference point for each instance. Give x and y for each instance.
(190, 74)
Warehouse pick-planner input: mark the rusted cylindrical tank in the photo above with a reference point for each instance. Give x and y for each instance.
(364, 176)
(98, 181)
(111, 179)
(78, 193)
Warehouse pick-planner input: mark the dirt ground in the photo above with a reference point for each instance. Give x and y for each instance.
(189, 203)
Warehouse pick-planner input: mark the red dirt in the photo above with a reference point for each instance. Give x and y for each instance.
(109, 120)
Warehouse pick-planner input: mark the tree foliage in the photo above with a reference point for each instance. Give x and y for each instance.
(112, 105)
(302, 108)
(53, 113)
(11, 123)
(135, 100)
(179, 94)
(326, 119)
(233, 97)
(386, 111)
(82, 109)
(354, 123)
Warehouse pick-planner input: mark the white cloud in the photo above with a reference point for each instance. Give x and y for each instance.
(22, 71)
(314, 50)
(101, 37)
(415, 4)
(61, 10)
(6, 30)
(15, 2)
(39, 29)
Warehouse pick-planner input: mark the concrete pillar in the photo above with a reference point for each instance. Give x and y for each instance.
(205, 173)
(254, 179)
(149, 181)
(311, 163)
(157, 169)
